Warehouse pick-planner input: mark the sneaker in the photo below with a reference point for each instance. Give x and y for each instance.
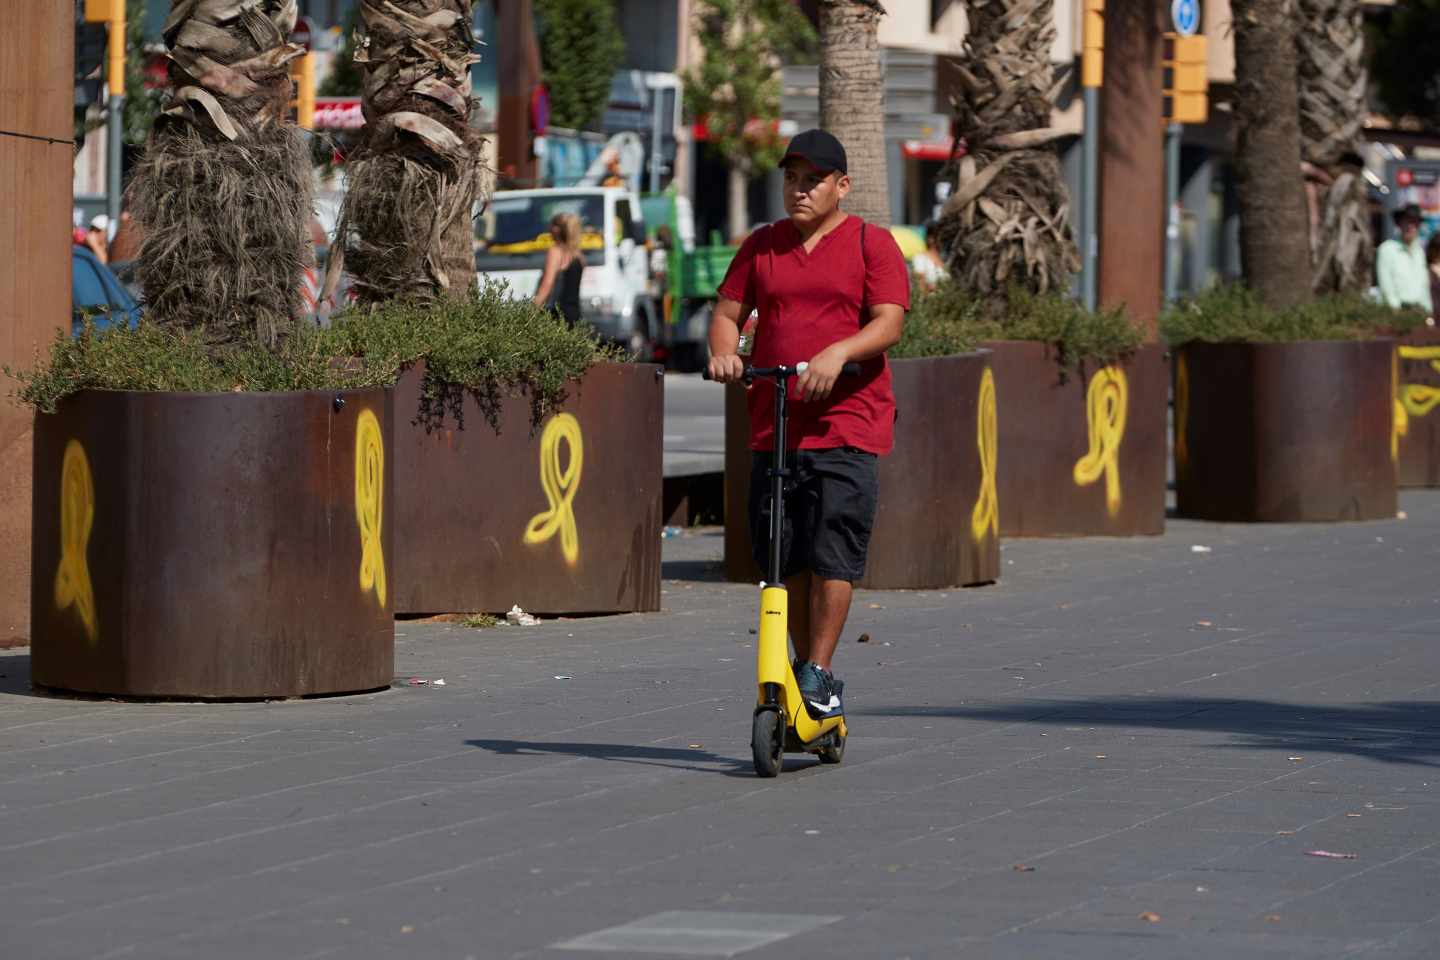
(820, 690)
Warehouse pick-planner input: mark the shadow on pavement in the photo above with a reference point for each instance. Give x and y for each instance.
(708, 571)
(680, 758)
(1393, 731)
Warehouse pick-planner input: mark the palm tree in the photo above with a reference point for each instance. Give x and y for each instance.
(852, 100)
(223, 192)
(1274, 226)
(406, 224)
(1333, 78)
(1008, 220)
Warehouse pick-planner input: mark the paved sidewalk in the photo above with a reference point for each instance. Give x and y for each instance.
(1156, 736)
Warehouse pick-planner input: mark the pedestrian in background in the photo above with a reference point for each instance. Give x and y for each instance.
(660, 268)
(559, 288)
(96, 238)
(1400, 268)
(928, 265)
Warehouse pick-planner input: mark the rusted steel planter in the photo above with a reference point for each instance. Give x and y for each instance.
(561, 519)
(935, 524)
(1285, 431)
(1081, 454)
(1417, 395)
(213, 545)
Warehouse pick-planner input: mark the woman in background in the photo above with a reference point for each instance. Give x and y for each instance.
(559, 288)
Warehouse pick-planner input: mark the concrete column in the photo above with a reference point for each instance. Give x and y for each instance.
(1132, 169)
(37, 51)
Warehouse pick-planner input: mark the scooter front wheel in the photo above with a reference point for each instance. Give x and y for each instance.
(767, 741)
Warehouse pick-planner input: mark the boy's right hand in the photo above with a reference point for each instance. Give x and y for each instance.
(727, 368)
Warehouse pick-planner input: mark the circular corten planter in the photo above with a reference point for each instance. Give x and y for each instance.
(1417, 408)
(563, 518)
(1285, 432)
(936, 521)
(1081, 453)
(213, 546)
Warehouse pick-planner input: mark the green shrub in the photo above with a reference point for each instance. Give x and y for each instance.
(484, 344)
(954, 319)
(1235, 314)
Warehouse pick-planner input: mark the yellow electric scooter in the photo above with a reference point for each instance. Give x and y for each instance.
(781, 722)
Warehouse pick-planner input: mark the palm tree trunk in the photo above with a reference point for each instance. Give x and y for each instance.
(223, 194)
(1008, 220)
(406, 227)
(1333, 78)
(852, 100)
(1274, 225)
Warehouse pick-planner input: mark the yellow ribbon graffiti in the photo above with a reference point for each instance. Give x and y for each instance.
(1400, 424)
(1420, 398)
(560, 486)
(77, 516)
(1182, 412)
(986, 516)
(369, 500)
(1106, 403)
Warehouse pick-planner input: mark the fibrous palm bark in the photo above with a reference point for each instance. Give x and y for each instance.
(1008, 220)
(1274, 226)
(223, 192)
(852, 100)
(406, 225)
(1330, 46)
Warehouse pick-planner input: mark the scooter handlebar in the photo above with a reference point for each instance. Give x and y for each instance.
(850, 369)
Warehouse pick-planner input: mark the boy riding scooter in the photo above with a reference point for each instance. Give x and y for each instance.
(830, 291)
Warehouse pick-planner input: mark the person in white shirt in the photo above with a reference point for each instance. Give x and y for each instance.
(928, 266)
(1400, 268)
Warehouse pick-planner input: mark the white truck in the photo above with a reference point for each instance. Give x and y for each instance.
(615, 289)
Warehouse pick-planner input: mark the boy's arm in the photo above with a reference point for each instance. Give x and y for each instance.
(725, 363)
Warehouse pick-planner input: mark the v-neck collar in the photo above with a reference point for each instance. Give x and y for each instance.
(809, 254)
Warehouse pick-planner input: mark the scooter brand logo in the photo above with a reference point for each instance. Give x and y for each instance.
(986, 516)
(77, 516)
(560, 485)
(1106, 402)
(369, 499)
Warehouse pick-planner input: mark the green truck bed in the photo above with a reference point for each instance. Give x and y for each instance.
(696, 275)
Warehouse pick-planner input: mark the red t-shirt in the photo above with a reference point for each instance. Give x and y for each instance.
(807, 301)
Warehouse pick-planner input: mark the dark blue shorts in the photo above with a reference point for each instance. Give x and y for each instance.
(829, 509)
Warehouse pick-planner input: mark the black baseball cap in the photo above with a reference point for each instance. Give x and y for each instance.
(820, 148)
(1410, 212)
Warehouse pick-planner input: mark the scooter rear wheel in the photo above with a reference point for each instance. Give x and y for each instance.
(767, 741)
(834, 752)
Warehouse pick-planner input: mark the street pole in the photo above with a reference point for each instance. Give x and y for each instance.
(1091, 76)
(114, 131)
(1172, 207)
(655, 133)
(1089, 207)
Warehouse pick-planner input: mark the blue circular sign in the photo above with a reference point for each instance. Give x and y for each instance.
(1185, 14)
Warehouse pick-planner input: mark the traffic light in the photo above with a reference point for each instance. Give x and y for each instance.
(302, 73)
(1186, 84)
(1092, 56)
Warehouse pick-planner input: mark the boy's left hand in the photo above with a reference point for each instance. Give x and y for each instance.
(819, 377)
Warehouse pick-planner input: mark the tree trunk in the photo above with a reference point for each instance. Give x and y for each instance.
(1008, 220)
(1333, 78)
(1274, 225)
(223, 195)
(852, 100)
(739, 203)
(407, 228)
